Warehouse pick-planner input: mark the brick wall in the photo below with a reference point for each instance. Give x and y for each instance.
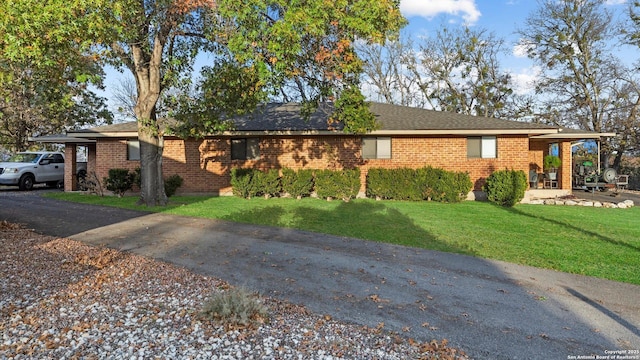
(205, 165)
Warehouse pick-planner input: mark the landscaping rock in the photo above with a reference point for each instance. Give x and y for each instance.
(570, 203)
(622, 205)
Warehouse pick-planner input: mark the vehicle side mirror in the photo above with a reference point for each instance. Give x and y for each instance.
(45, 162)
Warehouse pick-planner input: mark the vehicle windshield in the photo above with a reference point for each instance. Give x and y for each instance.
(24, 158)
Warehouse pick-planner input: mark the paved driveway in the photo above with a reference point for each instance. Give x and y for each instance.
(490, 309)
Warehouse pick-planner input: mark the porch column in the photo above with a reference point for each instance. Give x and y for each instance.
(565, 168)
(91, 159)
(70, 178)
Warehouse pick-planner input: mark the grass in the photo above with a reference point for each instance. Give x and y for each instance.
(597, 242)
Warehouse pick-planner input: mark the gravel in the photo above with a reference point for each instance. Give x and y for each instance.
(62, 299)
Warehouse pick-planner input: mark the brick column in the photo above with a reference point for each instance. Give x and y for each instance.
(70, 178)
(565, 169)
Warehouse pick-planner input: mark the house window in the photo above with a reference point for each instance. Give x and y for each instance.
(133, 150)
(245, 149)
(485, 147)
(376, 148)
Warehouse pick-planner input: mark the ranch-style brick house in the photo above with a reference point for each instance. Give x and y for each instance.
(276, 136)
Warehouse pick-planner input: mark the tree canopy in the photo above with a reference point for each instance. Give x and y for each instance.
(45, 70)
(273, 48)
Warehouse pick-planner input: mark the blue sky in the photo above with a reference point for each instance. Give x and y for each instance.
(502, 17)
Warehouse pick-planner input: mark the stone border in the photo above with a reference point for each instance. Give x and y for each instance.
(579, 202)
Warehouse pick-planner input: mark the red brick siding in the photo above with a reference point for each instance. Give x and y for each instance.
(205, 165)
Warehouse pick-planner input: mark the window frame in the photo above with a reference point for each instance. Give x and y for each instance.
(249, 149)
(486, 148)
(133, 150)
(377, 147)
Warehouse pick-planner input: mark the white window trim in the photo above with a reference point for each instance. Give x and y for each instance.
(383, 147)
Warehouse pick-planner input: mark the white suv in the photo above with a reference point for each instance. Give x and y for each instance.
(28, 168)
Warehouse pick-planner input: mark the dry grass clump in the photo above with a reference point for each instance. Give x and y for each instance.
(235, 308)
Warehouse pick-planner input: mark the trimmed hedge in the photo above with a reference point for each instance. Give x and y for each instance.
(338, 184)
(426, 183)
(298, 184)
(243, 183)
(506, 187)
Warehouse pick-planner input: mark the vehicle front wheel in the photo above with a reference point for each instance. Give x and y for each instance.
(26, 182)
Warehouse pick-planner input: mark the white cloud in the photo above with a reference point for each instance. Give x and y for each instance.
(615, 2)
(521, 48)
(524, 80)
(431, 8)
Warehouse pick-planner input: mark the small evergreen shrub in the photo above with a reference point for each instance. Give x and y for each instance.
(339, 184)
(298, 184)
(119, 181)
(418, 184)
(235, 308)
(267, 183)
(171, 184)
(445, 186)
(242, 182)
(506, 187)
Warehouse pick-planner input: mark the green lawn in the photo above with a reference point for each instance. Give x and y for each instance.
(590, 241)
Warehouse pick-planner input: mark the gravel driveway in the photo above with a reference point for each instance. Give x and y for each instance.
(490, 309)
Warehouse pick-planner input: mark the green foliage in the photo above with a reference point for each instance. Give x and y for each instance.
(119, 181)
(297, 183)
(45, 69)
(268, 182)
(171, 184)
(445, 186)
(234, 308)
(242, 182)
(248, 183)
(352, 110)
(551, 162)
(418, 184)
(506, 187)
(338, 184)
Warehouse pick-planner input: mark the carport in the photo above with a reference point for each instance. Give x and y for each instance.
(565, 140)
(71, 145)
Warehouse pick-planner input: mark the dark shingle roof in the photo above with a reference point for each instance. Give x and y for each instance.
(286, 117)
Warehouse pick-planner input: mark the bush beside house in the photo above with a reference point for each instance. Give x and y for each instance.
(506, 187)
(426, 183)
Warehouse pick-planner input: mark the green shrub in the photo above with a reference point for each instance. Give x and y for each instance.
(171, 184)
(418, 184)
(242, 182)
(119, 181)
(234, 308)
(445, 186)
(267, 183)
(297, 183)
(339, 184)
(506, 187)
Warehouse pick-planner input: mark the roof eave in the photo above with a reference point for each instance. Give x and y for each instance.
(467, 132)
(575, 135)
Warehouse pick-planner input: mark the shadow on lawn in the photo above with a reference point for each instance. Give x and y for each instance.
(599, 236)
(362, 220)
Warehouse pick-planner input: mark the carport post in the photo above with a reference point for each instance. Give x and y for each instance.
(70, 177)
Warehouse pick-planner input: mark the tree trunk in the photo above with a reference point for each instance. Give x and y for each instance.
(152, 184)
(151, 148)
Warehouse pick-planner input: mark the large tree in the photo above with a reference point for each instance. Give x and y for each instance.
(45, 70)
(582, 82)
(305, 47)
(455, 69)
